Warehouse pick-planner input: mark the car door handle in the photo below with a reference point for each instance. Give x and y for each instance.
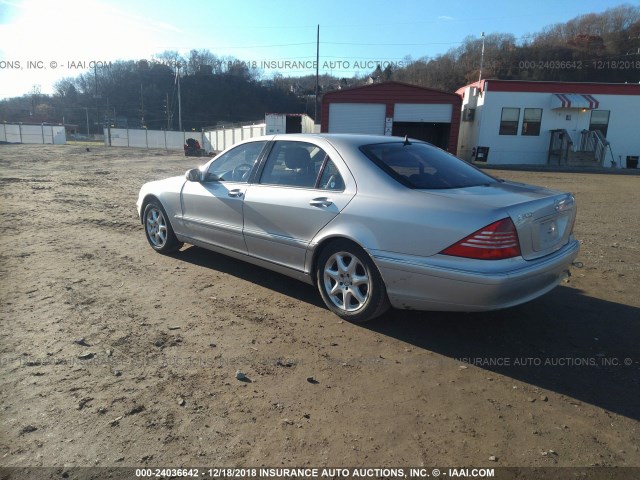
(236, 193)
(321, 202)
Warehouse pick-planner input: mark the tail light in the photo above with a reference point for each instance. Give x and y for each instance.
(493, 242)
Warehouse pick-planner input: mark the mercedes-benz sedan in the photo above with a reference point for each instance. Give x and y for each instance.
(373, 221)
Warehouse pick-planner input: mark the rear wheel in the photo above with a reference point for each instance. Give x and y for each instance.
(350, 283)
(158, 229)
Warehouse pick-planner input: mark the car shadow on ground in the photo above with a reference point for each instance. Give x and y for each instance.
(252, 273)
(579, 346)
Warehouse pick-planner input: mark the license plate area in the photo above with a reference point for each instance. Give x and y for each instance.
(551, 232)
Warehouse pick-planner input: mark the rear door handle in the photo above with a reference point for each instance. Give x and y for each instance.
(236, 193)
(320, 202)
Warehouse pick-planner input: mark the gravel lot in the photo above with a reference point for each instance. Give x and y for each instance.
(113, 355)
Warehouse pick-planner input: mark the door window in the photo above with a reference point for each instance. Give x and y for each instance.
(293, 164)
(331, 178)
(236, 164)
(599, 121)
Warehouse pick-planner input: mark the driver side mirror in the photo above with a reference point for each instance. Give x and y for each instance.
(193, 175)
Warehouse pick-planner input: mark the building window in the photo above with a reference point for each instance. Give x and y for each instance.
(599, 121)
(531, 122)
(468, 114)
(509, 121)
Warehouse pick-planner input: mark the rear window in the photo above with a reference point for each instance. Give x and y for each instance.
(423, 166)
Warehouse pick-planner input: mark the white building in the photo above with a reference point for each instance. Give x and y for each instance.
(520, 122)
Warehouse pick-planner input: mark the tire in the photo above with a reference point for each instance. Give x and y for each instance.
(349, 282)
(158, 230)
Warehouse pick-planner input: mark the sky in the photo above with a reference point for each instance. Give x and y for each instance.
(42, 41)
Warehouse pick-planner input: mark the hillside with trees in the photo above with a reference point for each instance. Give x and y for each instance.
(603, 47)
(590, 48)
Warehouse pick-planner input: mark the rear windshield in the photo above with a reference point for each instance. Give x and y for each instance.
(423, 166)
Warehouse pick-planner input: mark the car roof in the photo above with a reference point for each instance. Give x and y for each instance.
(338, 140)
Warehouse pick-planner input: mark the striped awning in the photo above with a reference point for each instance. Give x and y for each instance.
(574, 100)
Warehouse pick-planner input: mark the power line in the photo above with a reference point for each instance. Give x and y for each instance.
(391, 44)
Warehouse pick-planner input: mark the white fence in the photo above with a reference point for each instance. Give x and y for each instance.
(143, 138)
(223, 138)
(43, 134)
(213, 140)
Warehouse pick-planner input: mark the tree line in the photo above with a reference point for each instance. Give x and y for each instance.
(603, 47)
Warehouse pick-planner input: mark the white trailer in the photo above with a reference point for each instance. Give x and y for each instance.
(289, 123)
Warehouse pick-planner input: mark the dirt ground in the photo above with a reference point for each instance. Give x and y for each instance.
(114, 355)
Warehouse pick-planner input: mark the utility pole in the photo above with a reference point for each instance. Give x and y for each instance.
(315, 103)
(96, 95)
(141, 107)
(481, 58)
(179, 100)
(168, 115)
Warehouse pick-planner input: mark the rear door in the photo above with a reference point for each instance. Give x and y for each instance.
(301, 189)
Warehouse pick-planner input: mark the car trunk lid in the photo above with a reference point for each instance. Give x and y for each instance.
(543, 218)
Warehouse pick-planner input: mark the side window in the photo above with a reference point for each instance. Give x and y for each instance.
(531, 121)
(331, 178)
(509, 121)
(236, 164)
(293, 164)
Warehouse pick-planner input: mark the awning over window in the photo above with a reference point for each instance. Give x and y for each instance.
(574, 100)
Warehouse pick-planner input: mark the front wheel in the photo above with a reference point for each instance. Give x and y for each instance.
(350, 283)
(158, 229)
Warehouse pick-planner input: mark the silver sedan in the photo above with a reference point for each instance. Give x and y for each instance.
(373, 221)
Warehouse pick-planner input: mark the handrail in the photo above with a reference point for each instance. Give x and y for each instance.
(595, 142)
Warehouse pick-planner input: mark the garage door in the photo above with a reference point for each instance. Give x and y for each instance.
(421, 112)
(357, 118)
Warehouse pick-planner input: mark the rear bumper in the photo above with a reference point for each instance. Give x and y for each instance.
(454, 284)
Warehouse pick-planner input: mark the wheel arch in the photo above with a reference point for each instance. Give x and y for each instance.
(323, 244)
(370, 303)
(167, 244)
(149, 197)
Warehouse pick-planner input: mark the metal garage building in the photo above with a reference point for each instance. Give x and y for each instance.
(394, 108)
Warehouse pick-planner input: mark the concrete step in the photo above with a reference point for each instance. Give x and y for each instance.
(583, 163)
(582, 159)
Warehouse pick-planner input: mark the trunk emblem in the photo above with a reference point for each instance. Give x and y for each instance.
(564, 204)
(523, 216)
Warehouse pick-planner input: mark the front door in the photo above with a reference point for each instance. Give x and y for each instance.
(212, 210)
